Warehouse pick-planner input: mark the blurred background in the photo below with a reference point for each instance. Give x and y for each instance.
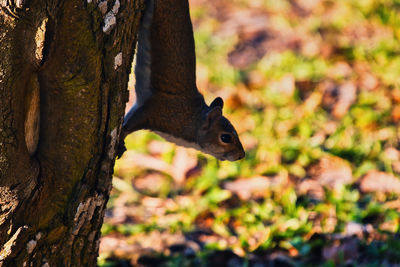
(313, 88)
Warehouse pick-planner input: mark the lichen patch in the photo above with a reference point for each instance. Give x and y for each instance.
(19, 3)
(111, 151)
(116, 7)
(118, 60)
(38, 236)
(30, 246)
(109, 22)
(103, 7)
(85, 211)
(110, 18)
(39, 40)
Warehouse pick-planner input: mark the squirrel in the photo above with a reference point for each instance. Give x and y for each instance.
(167, 99)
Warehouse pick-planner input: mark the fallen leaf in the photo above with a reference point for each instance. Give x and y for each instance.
(311, 188)
(368, 81)
(150, 183)
(312, 102)
(249, 141)
(157, 147)
(392, 154)
(357, 229)
(184, 161)
(340, 69)
(246, 188)
(338, 98)
(308, 5)
(394, 204)
(133, 158)
(118, 246)
(285, 86)
(376, 181)
(389, 226)
(396, 113)
(396, 95)
(331, 172)
(396, 167)
(347, 96)
(255, 80)
(311, 47)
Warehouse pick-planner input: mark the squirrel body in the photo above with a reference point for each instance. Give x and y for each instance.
(167, 99)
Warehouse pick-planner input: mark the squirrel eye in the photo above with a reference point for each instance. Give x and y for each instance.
(226, 138)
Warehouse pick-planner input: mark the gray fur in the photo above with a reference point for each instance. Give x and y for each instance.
(143, 64)
(143, 57)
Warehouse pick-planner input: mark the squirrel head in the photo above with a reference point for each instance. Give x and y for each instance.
(217, 136)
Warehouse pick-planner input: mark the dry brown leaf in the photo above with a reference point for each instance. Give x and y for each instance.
(150, 183)
(340, 69)
(157, 147)
(184, 161)
(311, 47)
(133, 158)
(246, 188)
(396, 167)
(396, 95)
(331, 172)
(305, 88)
(392, 154)
(347, 96)
(311, 188)
(111, 243)
(153, 203)
(255, 80)
(376, 181)
(368, 81)
(394, 204)
(389, 226)
(308, 5)
(356, 229)
(121, 213)
(338, 98)
(396, 113)
(312, 102)
(285, 86)
(235, 100)
(249, 141)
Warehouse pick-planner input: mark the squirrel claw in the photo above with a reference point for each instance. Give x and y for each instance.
(121, 149)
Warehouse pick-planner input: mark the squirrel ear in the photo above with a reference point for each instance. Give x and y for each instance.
(218, 102)
(214, 114)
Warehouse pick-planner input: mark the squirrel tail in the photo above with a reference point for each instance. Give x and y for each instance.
(135, 117)
(143, 56)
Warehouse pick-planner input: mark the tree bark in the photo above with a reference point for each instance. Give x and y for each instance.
(64, 67)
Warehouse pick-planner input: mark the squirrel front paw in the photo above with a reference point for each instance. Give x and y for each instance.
(121, 148)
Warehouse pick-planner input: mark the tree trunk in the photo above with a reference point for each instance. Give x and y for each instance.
(64, 67)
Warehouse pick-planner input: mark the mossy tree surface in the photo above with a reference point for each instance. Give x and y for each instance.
(68, 61)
